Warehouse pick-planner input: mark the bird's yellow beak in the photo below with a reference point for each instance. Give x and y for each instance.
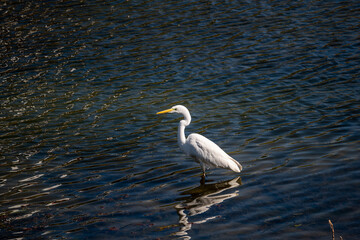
(165, 111)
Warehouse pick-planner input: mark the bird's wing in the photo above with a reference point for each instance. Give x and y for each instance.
(209, 153)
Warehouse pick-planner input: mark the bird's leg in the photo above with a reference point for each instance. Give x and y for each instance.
(203, 168)
(202, 181)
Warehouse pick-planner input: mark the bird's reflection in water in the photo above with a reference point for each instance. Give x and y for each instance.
(200, 200)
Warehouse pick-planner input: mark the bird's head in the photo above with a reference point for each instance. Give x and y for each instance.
(175, 109)
(182, 110)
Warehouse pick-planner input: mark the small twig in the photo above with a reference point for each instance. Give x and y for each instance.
(332, 229)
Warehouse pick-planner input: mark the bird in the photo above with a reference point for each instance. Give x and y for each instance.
(207, 153)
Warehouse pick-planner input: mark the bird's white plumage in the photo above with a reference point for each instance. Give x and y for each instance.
(203, 150)
(209, 153)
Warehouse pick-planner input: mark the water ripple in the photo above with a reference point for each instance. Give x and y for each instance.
(83, 154)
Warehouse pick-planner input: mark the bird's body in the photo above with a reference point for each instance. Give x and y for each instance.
(203, 150)
(208, 154)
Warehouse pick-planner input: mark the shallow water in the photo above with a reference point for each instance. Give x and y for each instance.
(84, 156)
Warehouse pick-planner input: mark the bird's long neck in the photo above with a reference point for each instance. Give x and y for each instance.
(181, 130)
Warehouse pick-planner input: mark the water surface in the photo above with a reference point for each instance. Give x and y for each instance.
(84, 156)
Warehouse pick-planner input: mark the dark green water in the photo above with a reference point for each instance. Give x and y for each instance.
(84, 156)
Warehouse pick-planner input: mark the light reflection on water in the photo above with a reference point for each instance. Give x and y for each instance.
(83, 154)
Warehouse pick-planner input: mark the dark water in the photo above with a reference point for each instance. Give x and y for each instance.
(84, 156)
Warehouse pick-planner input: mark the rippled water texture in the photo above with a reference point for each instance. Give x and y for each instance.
(274, 83)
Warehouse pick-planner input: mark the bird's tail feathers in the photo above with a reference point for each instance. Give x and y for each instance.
(236, 167)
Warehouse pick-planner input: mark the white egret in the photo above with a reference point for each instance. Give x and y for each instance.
(203, 150)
